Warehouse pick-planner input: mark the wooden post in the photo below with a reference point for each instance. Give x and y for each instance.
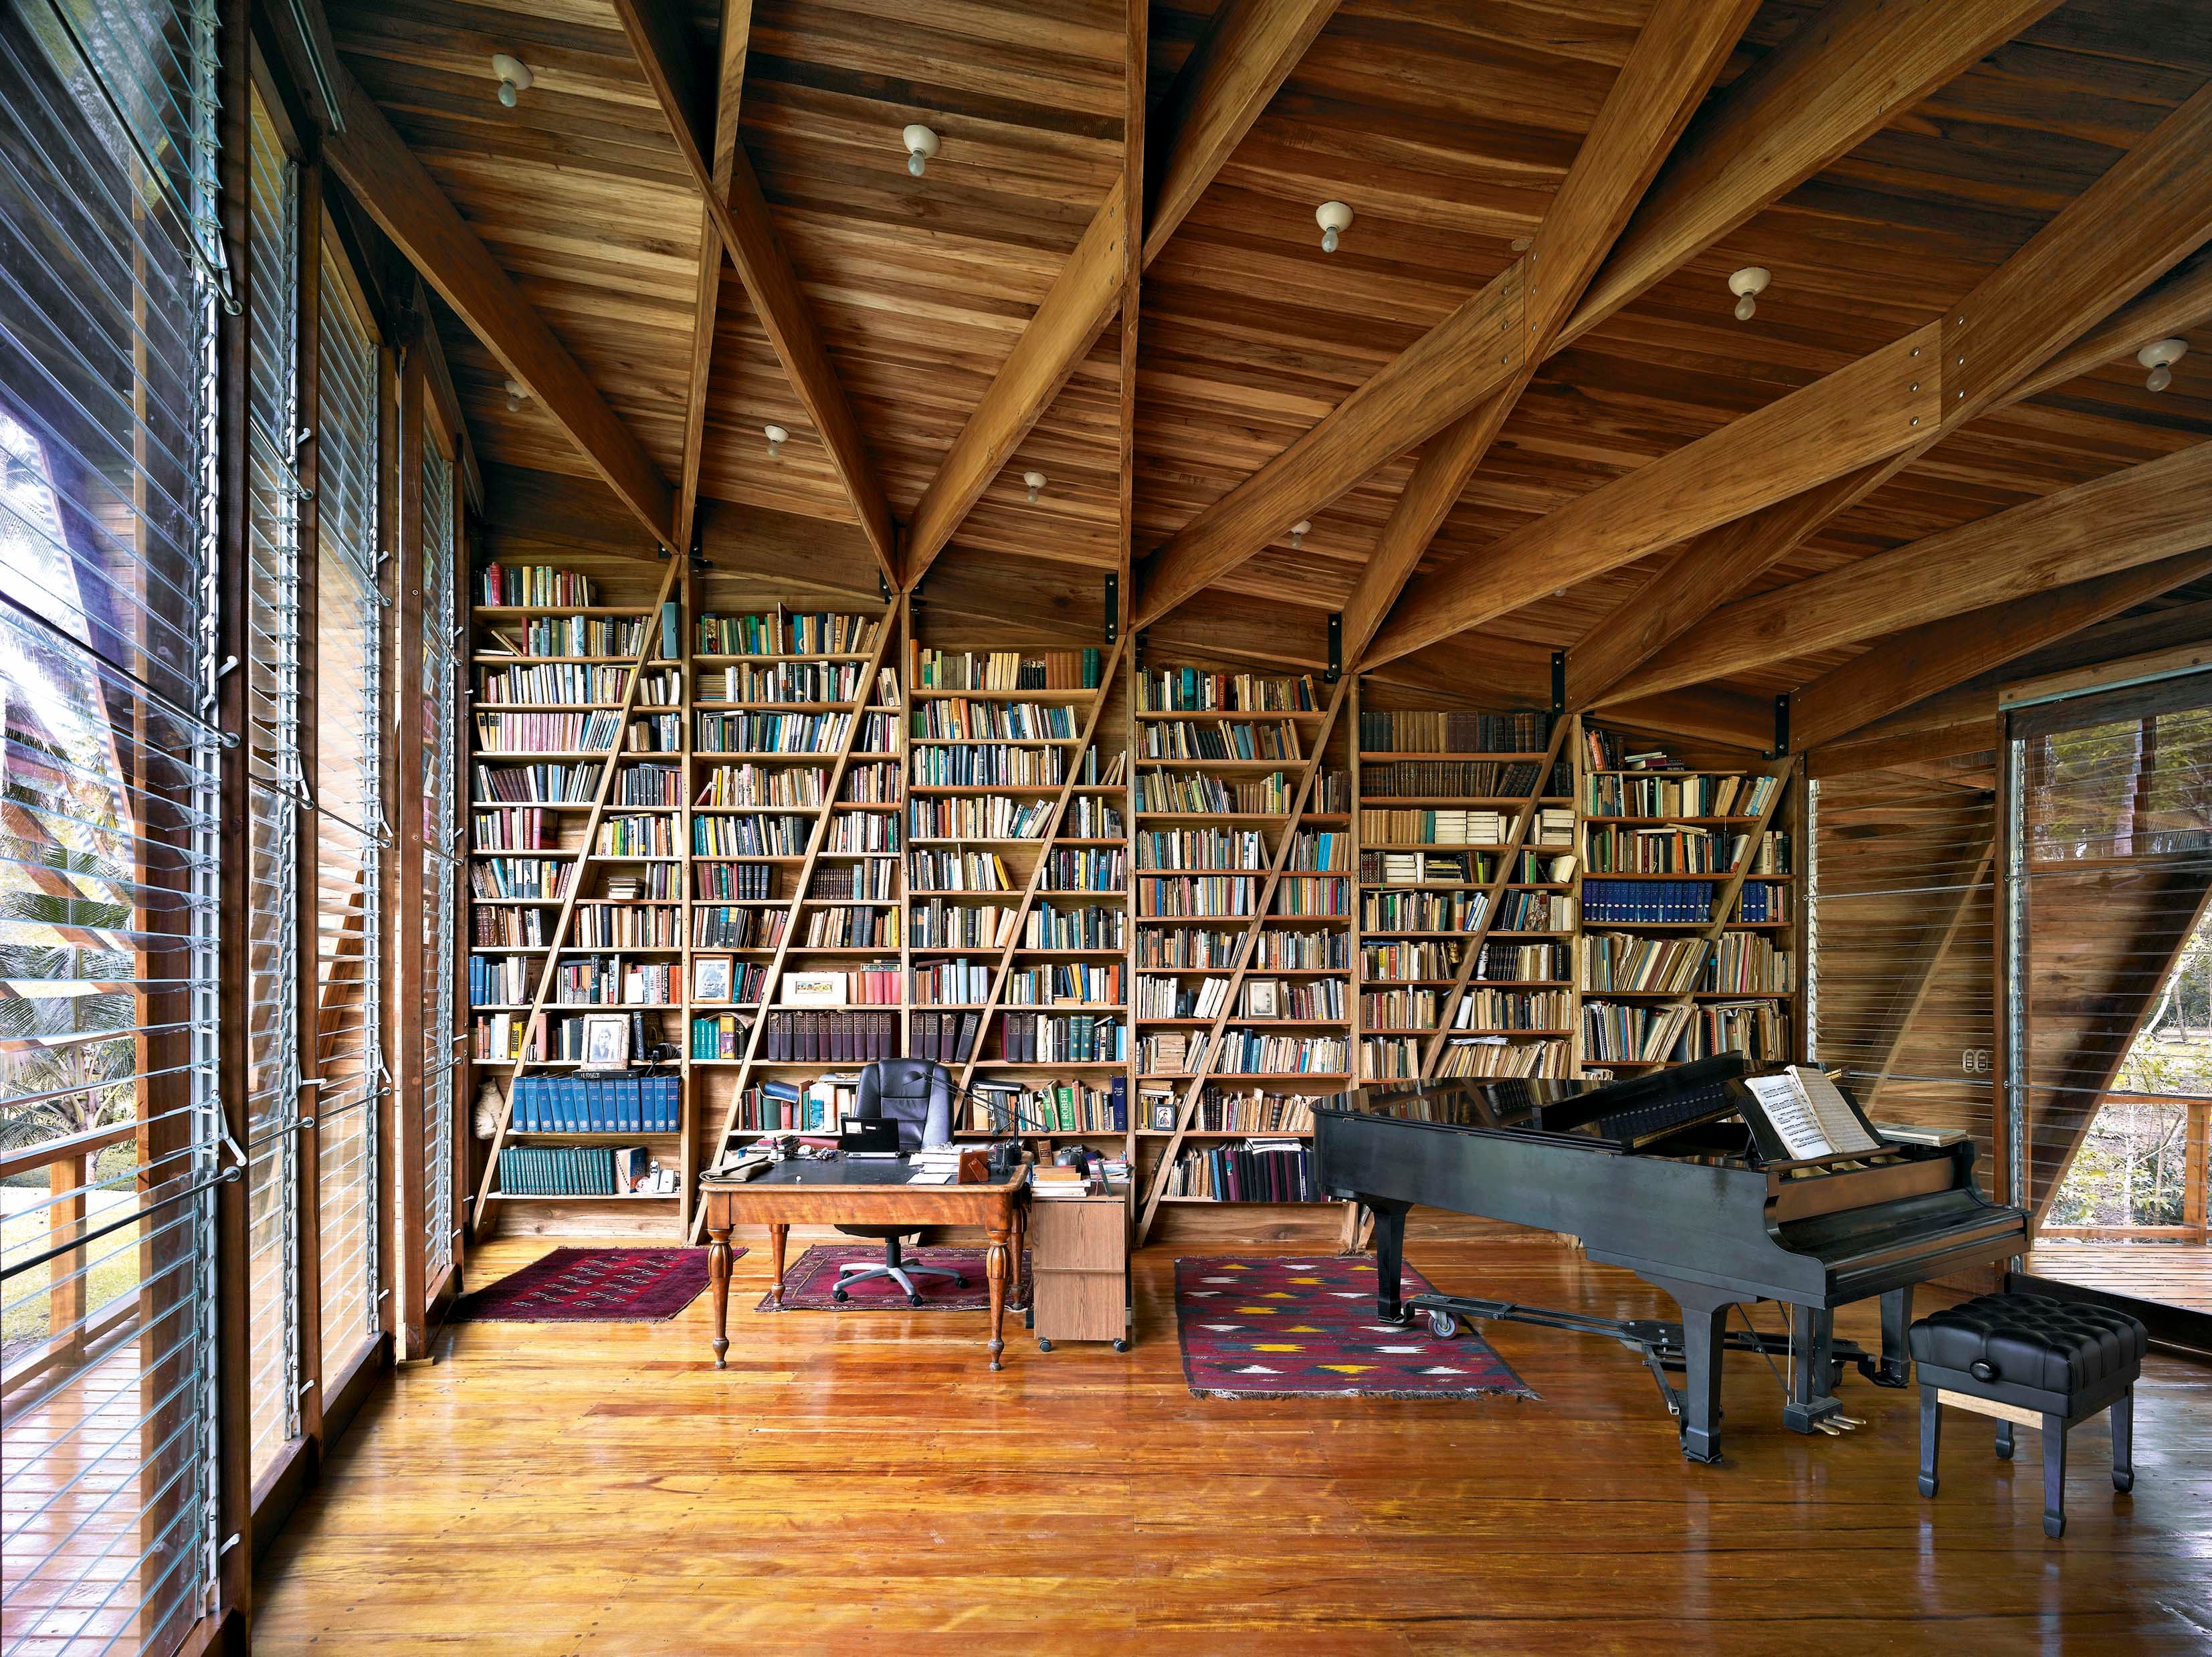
(2197, 1151)
(66, 1179)
(407, 1258)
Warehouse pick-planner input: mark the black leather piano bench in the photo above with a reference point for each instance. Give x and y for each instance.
(2030, 1361)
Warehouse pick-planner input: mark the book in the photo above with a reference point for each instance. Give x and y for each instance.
(1810, 1115)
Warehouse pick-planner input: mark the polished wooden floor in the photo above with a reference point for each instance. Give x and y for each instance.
(861, 1483)
(2172, 1274)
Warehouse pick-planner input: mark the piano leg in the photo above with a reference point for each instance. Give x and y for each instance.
(1389, 1255)
(1704, 1311)
(1896, 1342)
(1812, 1357)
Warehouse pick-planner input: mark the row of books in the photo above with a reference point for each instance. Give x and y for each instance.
(1703, 794)
(547, 784)
(1059, 1106)
(625, 1104)
(735, 926)
(753, 836)
(502, 980)
(957, 871)
(852, 929)
(1178, 690)
(1247, 1171)
(612, 982)
(1400, 962)
(1616, 1033)
(786, 632)
(1491, 1056)
(960, 721)
(1255, 1053)
(579, 636)
(533, 584)
(1090, 926)
(1681, 851)
(955, 983)
(1220, 738)
(1605, 751)
(1272, 795)
(1452, 732)
(1062, 1038)
(947, 1037)
(777, 733)
(796, 681)
(1064, 984)
(536, 878)
(1165, 897)
(654, 881)
(1421, 911)
(509, 928)
(651, 835)
(836, 1036)
(1459, 825)
(753, 880)
(1448, 779)
(991, 817)
(550, 684)
(527, 828)
(1223, 1112)
(588, 733)
(1280, 949)
(581, 1171)
(869, 877)
(1523, 963)
(937, 924)
(762, 785)
(988, 766)
(1007, 670)
(1612, 902)
(863, 831)
(1089, 868)
(648, 785)
(777, 1106)
(1202, 848)
(1520, 910)
(1257, 998)
(719, 1035)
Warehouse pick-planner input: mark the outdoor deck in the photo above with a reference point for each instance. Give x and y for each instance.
(2172, 1274)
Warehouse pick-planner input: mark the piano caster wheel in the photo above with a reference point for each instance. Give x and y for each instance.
(1044, 1346)
(839, 1295)
(1442, 1326)
(1122, 1344)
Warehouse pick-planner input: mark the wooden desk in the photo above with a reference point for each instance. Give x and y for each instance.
(859, 1194)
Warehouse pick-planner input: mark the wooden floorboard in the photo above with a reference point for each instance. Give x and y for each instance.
(2171, 1274)
(861, 1483)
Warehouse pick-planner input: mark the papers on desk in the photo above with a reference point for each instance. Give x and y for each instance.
(933, 1176)
(1810, 1118)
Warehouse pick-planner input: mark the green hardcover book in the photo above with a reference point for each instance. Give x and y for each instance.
(1066, 1100)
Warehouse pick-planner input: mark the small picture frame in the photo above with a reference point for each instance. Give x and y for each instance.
(606, 1041)
(1260, 999)
(711, 976)
(813, 989)
(1164, 1116)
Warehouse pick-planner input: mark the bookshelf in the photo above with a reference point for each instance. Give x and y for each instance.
(1689, 908)
(1245, 911)
(574, 726)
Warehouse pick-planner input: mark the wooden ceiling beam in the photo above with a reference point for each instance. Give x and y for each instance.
(729, 95)
(1223, 86)
(1704, 573)
(399, 193)
(2157, 510)
(659, 33)
(1474, 358)
(2148, 212)
(1921, 661)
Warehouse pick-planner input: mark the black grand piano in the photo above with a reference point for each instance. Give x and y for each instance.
(1679, 1176)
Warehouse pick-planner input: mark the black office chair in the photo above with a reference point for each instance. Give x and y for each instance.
(918, 1096)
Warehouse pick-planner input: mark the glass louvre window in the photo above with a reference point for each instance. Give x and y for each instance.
(441, 871)
(350, 829)
(275, 788)
(110, 285)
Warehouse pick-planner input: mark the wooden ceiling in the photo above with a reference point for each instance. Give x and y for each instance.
(1451, 128)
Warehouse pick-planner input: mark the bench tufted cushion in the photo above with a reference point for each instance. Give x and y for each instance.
(2058, 1346)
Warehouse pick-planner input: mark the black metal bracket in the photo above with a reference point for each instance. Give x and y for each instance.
(1336, 669)
(1781, 727)
(883, 586)
(1143, 640)
(700, 566)
(1558, 681)
(1113, 606)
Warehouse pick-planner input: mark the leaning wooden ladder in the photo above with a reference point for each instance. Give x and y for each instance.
(826, 815)
(558, 938)
(1203, 1053)
(1035, 886)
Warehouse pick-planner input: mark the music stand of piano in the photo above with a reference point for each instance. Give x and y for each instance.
(1680, 1178)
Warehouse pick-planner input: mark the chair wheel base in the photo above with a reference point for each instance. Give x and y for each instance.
(2054, 1525)
(913, 1300)
(1927, 1485)
(2122, 1482)
(839, 1295)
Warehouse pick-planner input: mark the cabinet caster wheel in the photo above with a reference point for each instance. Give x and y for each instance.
(1121, 1343)
(1043, 1345)
(913, 1300)
(839, 1295)
(1442, 1326)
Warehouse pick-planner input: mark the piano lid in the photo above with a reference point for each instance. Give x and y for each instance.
(1611, 1116)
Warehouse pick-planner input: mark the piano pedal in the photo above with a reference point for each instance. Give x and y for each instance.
(1829, 1428)
(1849, 1423)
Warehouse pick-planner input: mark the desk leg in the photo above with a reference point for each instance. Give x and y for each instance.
(777, 1237)
(718, 1276)
(994, 1266)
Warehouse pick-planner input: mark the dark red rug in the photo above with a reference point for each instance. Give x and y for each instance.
(593, 1286)
(1291, 1326)
(808, 1281)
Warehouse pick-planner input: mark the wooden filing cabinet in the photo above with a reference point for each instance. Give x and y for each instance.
(1079, 1269)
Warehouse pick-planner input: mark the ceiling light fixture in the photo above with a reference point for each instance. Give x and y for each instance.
(1334, 219)
(1036, 480)
(777, 438)
(921, 145)
(1747, 285)
(514, 76)
(2160, 356)
(517, 395)
(1299, 532)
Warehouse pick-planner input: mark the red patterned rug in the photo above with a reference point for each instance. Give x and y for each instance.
(1290, 1326)
(593, 1285)
(807, 1283)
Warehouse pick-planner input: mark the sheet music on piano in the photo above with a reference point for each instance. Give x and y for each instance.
(1809, 1115)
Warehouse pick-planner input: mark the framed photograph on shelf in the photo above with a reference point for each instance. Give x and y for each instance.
(711, 976)
(606, 1041)
(1260, 999)
(1164, 1116)
(813, 989)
